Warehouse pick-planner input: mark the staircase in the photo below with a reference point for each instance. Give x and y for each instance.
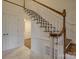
(40, 20)
(46, 25)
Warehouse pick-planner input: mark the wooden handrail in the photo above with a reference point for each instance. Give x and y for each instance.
(60, 13)
(14, 3)
(24, 4)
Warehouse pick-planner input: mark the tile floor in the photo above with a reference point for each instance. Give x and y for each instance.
(24, 53)
(18, 53)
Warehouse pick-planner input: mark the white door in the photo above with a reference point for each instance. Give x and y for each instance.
(10, 30)
(4, 32)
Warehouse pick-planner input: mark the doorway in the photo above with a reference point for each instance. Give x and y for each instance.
(27, 32)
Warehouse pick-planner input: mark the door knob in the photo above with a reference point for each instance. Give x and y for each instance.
(5, 34)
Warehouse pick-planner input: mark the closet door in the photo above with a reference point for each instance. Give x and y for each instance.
(5, 34)
(9, 31)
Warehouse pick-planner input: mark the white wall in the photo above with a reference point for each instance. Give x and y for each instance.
(39, 42)
(14, 15)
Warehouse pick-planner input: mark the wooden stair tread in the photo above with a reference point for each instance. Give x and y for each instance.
(67, 43)
(27, 43)
(71, 49)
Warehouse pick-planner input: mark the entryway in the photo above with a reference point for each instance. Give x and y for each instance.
(27, 32)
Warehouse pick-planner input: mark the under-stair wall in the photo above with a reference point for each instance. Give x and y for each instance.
(39, 42)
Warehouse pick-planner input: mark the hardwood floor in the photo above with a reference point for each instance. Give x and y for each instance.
(27, 43)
